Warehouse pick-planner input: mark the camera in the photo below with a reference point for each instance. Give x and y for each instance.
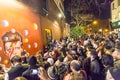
(35, 71)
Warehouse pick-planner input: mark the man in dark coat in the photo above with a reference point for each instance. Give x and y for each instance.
(17, 69)
(94, 65)
(32, 72)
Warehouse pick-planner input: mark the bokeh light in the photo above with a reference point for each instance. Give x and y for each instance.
(29, 46)
(35, 26)
(95, 22)
(35, 45)
(6, 61)
(5, 23)
(5, 38)
(100, 30)
(0, 48)
(25, 32)
(26, 40)
(59, 15)
(13, 30)
(0, 59)
(105, 30)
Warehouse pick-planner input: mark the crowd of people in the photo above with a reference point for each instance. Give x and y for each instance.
(87, 57)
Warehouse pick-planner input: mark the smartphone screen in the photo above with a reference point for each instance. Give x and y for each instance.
(35, 72)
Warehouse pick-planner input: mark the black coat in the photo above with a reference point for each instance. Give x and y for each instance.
(16, 71)
(28, 73)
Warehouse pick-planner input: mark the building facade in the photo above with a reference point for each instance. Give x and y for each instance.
(52, 18)
(115, 15)
(37, 21)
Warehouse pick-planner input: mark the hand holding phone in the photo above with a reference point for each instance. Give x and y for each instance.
(35, 72)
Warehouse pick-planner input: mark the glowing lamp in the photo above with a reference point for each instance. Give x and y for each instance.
(26, 40)
(35, 26)
(6, 61)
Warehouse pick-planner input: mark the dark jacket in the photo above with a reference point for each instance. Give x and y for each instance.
(115, 71)
(95, 70)
(16, 71)
(28, 74)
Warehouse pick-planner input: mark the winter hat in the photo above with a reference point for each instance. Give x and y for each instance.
(52, 72)
(50, 60)
(32, 61)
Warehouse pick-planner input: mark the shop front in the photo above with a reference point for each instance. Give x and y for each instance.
(116, 26)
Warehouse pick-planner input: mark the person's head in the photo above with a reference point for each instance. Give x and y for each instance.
(39, 53)
(92, 54)
(1, 68)
(89, 47)
(107, 60)
(50, 61)
(20, 78)
(46, 65)
(60, 58)
(12, 42)
(16, 60)
(108, 49)
(68, 58)
(75, 65)
(32, 61)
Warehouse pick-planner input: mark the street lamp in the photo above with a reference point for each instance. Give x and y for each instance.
(59, 15)
(95, 22)
(105, 30)
(95, 25)
(100, 30)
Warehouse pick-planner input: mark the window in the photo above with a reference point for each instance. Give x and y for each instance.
(118, 2)
(113, 6)
(45, 5)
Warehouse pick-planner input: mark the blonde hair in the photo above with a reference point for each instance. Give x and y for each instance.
(1, 77)
(76, 76)
(20, 78)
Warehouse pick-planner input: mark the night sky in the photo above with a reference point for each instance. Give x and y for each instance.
(94, 8)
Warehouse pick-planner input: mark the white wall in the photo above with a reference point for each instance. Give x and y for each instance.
(115, 11)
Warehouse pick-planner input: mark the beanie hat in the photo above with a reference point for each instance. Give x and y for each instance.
(50, 60)
(52, 72)
(32, 61)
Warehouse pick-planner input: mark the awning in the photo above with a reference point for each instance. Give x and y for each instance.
(116, 24)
